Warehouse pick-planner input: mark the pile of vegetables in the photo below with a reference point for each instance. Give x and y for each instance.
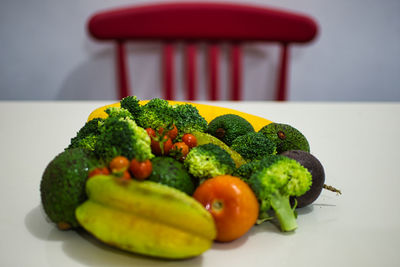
(240, 176)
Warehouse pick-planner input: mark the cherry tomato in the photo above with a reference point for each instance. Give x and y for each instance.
(151, 132)
(126, 175)
(190, 140)
(141, 169)
(173, 133)
(232, 204)
(97, 171)
(161, 148)
(119, 164)
(181, 148)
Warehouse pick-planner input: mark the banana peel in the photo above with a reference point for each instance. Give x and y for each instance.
(146, 218)
(209, 112)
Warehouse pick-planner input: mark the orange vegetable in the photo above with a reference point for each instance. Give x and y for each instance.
(141, 169)
(181, 148)
(190, 140)
(97, 171)
(231, 202)
(119, 164)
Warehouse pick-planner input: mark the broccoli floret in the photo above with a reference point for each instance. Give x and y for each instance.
(155, 114)
(247, 169)
(122, 137)
(253, 146)
(275, 182)
(208, 161)
(131, 103)
(119, 113)
(86, 137)
(188, 119)
(171, 172)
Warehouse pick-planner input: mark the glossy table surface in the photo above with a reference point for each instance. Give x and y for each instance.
(357, 143)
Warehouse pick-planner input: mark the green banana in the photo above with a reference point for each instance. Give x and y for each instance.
(146, 218)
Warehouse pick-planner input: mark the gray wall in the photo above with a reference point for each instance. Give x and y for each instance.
(45, 54)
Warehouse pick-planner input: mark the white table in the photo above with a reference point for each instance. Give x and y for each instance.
(357, 143)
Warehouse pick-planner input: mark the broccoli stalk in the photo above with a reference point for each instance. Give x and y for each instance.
(284, 212)
(275, 181)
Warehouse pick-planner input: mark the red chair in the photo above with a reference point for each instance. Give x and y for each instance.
(202, 22)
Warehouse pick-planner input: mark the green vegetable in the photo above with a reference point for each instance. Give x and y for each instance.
(155, 114)
(122, 137)
(285, 137)
(253, 146)
(131, 103)
(278, 179)
(62, 187)
(119, 112)
(86, 137)
(188, 119)
(171, 172)
(228, 127)
(205, 138)
(208, 161)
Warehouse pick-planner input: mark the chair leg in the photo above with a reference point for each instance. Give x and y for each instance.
(236, 72)
(122, 70)
(213, 54)
(191, 71)
(168, 70)
(281, 93)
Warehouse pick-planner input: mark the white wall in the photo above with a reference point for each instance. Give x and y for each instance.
(45, 54)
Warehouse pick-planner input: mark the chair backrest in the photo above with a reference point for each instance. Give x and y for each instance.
(202, 22)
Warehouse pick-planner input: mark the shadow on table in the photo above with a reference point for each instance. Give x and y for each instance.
(83, 248)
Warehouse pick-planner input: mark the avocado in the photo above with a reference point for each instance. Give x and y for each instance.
(285, 137)
(170, 172)
(314, 166)
(228, 127)
(62, 187)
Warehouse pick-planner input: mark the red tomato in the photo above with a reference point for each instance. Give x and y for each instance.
(161, 148)
(97, 171)
(150, 132)
(182, 148)
(232, 204)
(126, 175)
(190, 140)
(173, 133)
(119, 164)
(141, 169)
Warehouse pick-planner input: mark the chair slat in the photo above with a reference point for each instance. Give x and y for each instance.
(213, 57)
(168, 67)
(191, 71)
(236, 70)
(281, 94)
(122, 70)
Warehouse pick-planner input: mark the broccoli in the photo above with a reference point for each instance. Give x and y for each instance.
(247, 169)
(131, 103)
(87, 135)
(253, 146)
(122, 137)
(155, 114)
(188, 119)
(119, 112)
(208, 161)
(275, 182)
(171, 172)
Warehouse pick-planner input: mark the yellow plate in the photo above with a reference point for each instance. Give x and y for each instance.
(209, 112)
